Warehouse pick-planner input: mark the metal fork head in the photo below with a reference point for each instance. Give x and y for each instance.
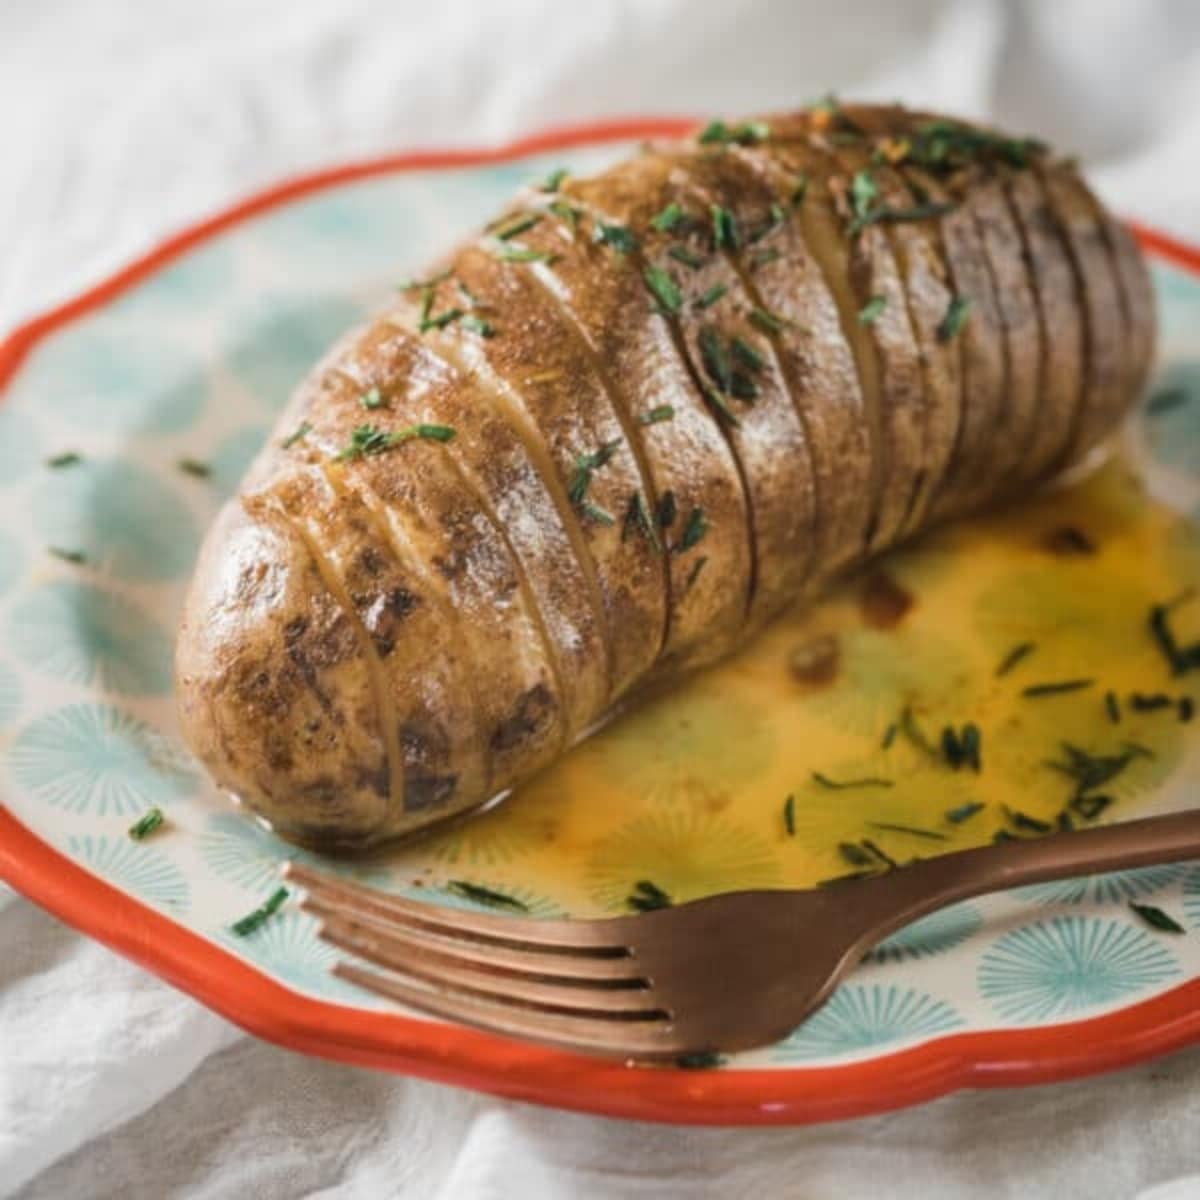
(727, 973)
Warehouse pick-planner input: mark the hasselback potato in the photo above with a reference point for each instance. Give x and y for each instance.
(603, 441)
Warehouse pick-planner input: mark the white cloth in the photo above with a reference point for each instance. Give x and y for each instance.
(121, 121)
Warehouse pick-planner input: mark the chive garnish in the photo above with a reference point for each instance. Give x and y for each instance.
(701, 1060)
(767, 321)
(146, 824)
(871, 311)
(302, 431)
(1026, 823)
(667, 510)
(1179, 658)
(930, 834)
(725, 234)
(371, 399)
(618, 237)
(713, 294)
(593, 513)
(1141, 702)
(855, 855)
(1090, 806)
(425, 285)
(553, 181)
(694, 573)
(479, 325)
(956, 317)
(694, 529)
(952, 750)
(717, 403)
(747, 354)
(367, 440)
(668, 218)
(684, 255)
(918, 212)
(485, 895)
(913, 732)
(647, 896)
(718, 362)
(1112, 708)
(760, 258)
(637, 520)
(69, 458)
(889, 736)
(515, 254)
(664, 289)
(744, 133)
(585, 465)
(76, 557)
(253, 921)
(1057, 688)
(567, 212)
(1020, 651)
(789, 815)
(970, 741)
(1156, 918)
(879, 854)
(838, 785)
(863, 191)
(439, 320)
(660, 412)
(964, 812)
(1187, 708)
(194, 467)
(1088, 771)
(520, 225)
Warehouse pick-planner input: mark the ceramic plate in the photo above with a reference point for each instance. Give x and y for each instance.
(165, 380)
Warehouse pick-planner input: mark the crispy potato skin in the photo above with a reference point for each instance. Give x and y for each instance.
(621, 427)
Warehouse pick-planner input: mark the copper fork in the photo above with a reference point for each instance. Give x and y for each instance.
(729, 972)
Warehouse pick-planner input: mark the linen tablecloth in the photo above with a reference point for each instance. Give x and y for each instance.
(121, 121)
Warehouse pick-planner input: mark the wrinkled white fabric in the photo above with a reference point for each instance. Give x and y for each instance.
(122, 121)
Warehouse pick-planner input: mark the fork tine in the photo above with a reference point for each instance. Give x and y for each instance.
(490, 956)
(440, 972)
(576, 937)
(642, 1039)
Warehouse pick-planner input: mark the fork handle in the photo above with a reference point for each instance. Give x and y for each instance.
(932, 883)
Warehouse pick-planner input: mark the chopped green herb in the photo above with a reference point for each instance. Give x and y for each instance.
(194, 467)
(425, 285)
(684, 255)
(637, 520)
(718, 364)
(929, 834)
(866, 781)
(744, 133)
(618, 237)
(473, 324)
(1026, 823)
(1141, 702)
(647, 896)
(77, 557)
(767, 321)
(879, 854)
(514, 254)
(68, 458)
(760, 258)
(952, 750)
(1156, 918)
(970, 742)
(694, 529)
(694, 573)
(553, 181)
(439, 320)
(372, 399)
(1112, 708)
(598, 515)
(882, 214)
(725, 234)
(913, 732)
(889, 736)
(717, 403)
(963, 812)
(713, 294)
(872, 310)
(367, 440)
(520, 225)
(1187, 708)
(302, 431)
(664, 289)
(863, 192)
(667, 510)
(668, 218)
(568, 213)
(485, 895)
(701, 1060)
(799, 190)
(1089, 771)
(585, 465)
(1165, 400)
(945, 146)
(1180, 659)
(660, 412)
(146, 824)
(1020, 651)
(956, 317)
(855, 855)
(1090, 806)
(846, 878)
(1057, 688)
(747, 355)
(254, 921)
(789, 815)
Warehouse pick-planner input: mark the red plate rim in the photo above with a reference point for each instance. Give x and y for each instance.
(456, 1055)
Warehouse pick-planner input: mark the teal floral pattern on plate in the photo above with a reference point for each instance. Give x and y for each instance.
(1060, 967)
(127, 522)
(138, 867)
(83, 634)
(861, 1017)
(192, 361)
(934, 934)
(95, 760)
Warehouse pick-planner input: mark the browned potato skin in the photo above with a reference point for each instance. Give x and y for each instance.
(343, 720)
